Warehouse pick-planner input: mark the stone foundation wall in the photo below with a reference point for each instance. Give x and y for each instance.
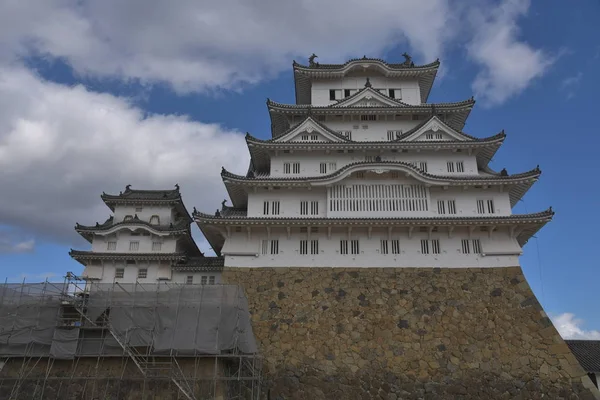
(406, 333)
(103, 379)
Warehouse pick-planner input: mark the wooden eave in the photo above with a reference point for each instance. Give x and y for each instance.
(83, 256)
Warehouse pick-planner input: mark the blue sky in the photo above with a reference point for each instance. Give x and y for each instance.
(98, 95)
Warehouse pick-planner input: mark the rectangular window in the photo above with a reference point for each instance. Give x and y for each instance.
(450, 166)
(395, 93)
(314, 247)
(396, 246)
(485, 206)
(465, 247)
(287, 168)
(304, 208)
(446, 207)
(441, 207)
(314, 208)
(274, 246)
(211, 280)
(265, 208)
(384, 246)
(422, 165)
(430, 246)
(332, 166)
(265, 247)
(304, 137)
(138, 209)
(460, 166)
(203, 279)
(331, 94)
(433, 136)
(490, 206)
(346, 134)
(296, 168)
(476, 246)
(189, 279)
(369, 158)
(323, 168)
(134, 246)
(120, 273)
(354, 246)
(360, 175)
(314, 137)
(343, 247)
(394, 135)
(304, 247)
(156, 246)
(111, 246)
(142, 273)
(346, 92)
(368, 117)
(275, 206)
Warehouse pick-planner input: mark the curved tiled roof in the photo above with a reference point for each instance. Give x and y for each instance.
(93, 255)
(136, 195)
(399, 66)
(441, 106)
(181, 226)
(534, 173)
(201, 264)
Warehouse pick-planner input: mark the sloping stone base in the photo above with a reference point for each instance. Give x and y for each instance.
(407, 333)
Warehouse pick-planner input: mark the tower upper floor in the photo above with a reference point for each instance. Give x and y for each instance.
(325, 84)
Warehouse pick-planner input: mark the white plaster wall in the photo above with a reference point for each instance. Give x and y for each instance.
(320, 88)
(370, 256)
(164, 213)
(124, 236)
(156, 272)
(310, 161)
(465, 200)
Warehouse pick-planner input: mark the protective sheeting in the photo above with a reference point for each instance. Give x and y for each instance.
(189, 319)
(167, 319)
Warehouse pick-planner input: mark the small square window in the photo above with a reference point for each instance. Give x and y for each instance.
(189, 279)
(203, 279)
(111, 246)
(142, 273)
(138, 209)
(120, 273)
(211, 280)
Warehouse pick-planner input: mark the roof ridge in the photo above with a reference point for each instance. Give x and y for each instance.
(404, 66)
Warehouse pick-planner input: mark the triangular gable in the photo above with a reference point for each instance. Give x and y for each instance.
(368, 98)
(311, 128)
(434, 129)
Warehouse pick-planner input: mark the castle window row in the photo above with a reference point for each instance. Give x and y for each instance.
(134, 245)
(339, 94)
(352, 246)
(328, 167)
(291, 168)
(154, 220)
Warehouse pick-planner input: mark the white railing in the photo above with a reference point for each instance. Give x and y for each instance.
(375, 198)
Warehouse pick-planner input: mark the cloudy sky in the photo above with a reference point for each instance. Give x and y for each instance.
(95, 95)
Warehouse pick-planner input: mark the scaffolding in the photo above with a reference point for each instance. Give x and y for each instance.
(80, 339)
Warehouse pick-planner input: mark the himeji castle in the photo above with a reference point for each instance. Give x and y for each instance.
(363, 172)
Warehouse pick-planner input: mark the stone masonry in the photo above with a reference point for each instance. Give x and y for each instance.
(406, 333)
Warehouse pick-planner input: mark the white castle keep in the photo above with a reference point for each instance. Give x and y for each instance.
(360, 172)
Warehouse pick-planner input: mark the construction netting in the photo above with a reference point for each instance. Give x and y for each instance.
(164, 319)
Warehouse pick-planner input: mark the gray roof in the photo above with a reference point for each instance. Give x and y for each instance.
(201, 264)
(135, 195)
(83, 256)
(182, 226)
(402, 66)
(587, 352)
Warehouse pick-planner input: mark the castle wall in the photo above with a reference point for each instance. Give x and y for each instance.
(410, 333)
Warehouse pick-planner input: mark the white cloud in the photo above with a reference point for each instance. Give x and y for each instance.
(11, 242)
(201, 45)
(570, 84)
(60, 147)
(508, 65)
(570, 327)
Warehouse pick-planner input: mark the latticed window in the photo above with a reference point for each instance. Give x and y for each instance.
(343, 247)
(189, 279)
(211, 280)
(304, 247)
(274, 246)
(120, 273)
(396, 246)
(332, 166)
(485, 206)
(314, 246)
(111, 246)
(287, 168)
(304, 137)
(156, 246)
(142, 273)
(154, 220)
(271, 207)
(383, 246)
(323, 168)
(430, 246)
(203, 280)
(394, 135)
(450, 166)
(446, 207)
(368, 117)
(134, 246)
(314, 137)
(468, 246)
(433, 136)
(314, 207)
(354, 246)
(347, 134)
(460, 166)
(296, 168)
(378, 198)
(304, 208)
